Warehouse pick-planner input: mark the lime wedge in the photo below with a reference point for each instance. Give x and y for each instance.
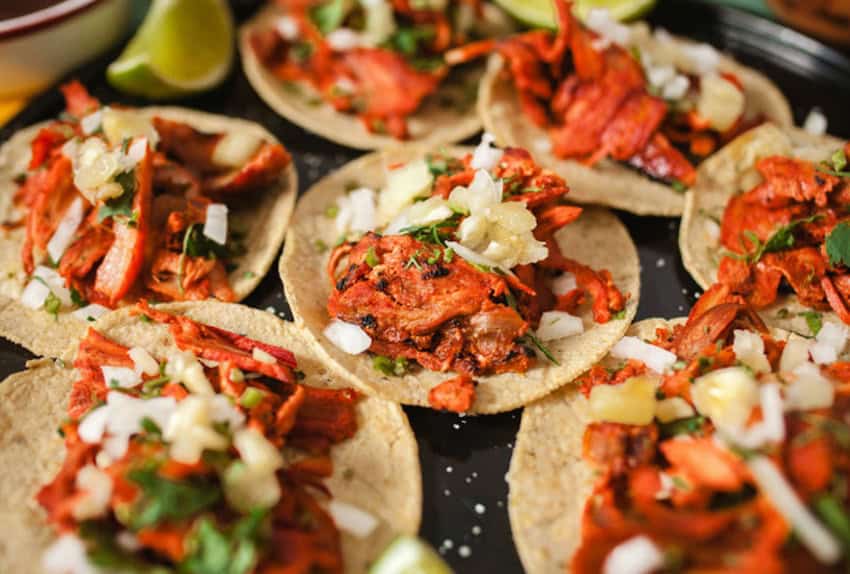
(182, 47)
(541, 13)
(409, 555)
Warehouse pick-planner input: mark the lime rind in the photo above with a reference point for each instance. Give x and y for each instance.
(409, 555)
(182, 47)
(541, 13)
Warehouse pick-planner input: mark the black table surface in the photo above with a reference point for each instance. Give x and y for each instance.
(465, 459)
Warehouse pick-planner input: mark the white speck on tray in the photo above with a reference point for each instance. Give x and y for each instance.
(500, 504)
(476, 530)
(464, 551)
(474, 474)
(447, 492)
(480, 508)
(271, 309)
(468, 480)
(455, 426)
(449, 469)
(660, 263)
(448, 543)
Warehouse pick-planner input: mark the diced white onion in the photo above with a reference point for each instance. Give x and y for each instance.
(120, 376)
(256, 451)
(67, 555)
(262, 356)
(808, 529)
(90, 312)
(119, 125)
(564, 283)
(703, 58)
(143, 361)
(121, 418)
(809, 389)
(676, 88)
(55, 282)
(97, 486)
(215, 225)
(343, 39)
(558, 325)
(482, 193)
(721, 103)
(66, 229)
(185, 368)
(352, 519)
(795, 353)
(816, 123)
(637, 555)
(35, 294)
(656, 358)
(190, 430)
(348, 337)
(136, 152)
(236, 148)
(673, 409)
(771, 429)
(600, 21)
(357, 211)
(91, 123)
(749, 349)
(829, 343)
(287, 27)
(486, 156)
(472, 256)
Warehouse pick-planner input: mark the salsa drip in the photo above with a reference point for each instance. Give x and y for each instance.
(181, 515)
(685, 487)
(420, 301)
(148, 240)
(791, 230)
(382, 84)
(593, 98)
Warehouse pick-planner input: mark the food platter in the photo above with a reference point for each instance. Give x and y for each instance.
(465, 459)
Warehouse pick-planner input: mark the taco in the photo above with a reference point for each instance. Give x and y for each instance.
(368, 74)
(463, 262)
(701, 446)
(623, 114)
(106, 205)
(191, 448)
(767, 220)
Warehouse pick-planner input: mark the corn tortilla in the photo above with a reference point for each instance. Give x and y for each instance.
(263, 217)
(299, 103)
(610, 183)
(597, 239)
(727, 173)
(377, 470)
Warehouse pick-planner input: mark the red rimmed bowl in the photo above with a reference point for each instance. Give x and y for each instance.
(40, 40)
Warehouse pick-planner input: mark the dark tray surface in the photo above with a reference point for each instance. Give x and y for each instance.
(465, 459)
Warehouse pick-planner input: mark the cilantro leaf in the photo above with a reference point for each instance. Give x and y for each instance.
(123, 204)
(689, 425)
(838, 245)
(52, 304)
(77, 299)
(407, 40)
(105, 553)
(781, 239)
(814, 320)
(163, 499)
(440, 165)
(329, 16)
(232, 551)
(533, 340)
(838, 160)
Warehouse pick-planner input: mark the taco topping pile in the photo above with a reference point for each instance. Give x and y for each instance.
(791, 229)
(175, 462)
(464, 269)
(377, 59)
(598, 95)
(117, 206)
(719, 448)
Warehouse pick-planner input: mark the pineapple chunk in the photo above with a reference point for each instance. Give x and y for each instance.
(632, 402)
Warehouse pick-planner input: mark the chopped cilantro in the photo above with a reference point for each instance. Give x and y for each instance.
(440, 165)
(162, 499)
(782, 238)
(301, 52)
(678, 186)
(329, 16)
(838, 245)
(834, 515)
(621, 314)
(248, 275)
(150, 427)
(448, 255)
(251, 397)
(435, 257)
(123, 204)
(390, 367)
(152, 386)
(838, 160)
(541, 347)
(680, 483)
(372, 258)
(407, 40)
(814, 320)
(413, 261)
(689, 425)
(436, 233)
(226, 551)
(52, 304)
(320, 245)
(77, 299)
